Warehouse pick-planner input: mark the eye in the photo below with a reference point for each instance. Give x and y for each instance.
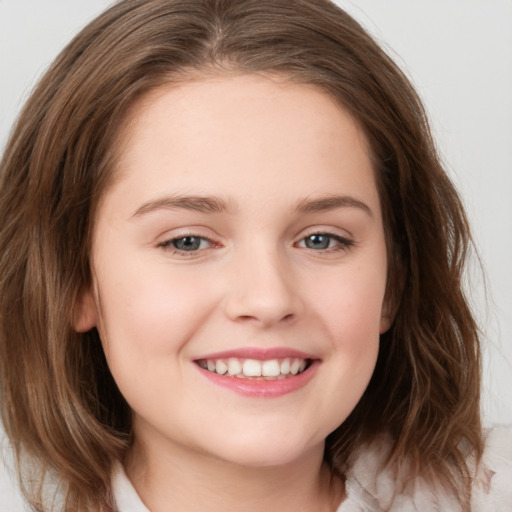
(189, 243)
(324, 241)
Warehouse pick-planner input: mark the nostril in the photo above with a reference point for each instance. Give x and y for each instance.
(247, 318)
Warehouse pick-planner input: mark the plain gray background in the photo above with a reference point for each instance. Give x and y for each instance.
(458, 53)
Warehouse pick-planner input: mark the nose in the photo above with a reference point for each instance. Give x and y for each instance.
(263, 290)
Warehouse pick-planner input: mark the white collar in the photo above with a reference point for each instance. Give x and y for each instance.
(125, 496)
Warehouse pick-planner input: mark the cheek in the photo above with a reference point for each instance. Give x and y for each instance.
(351, 312)
(145, 324)
(354, 304)
(149, 314)
(352, 317)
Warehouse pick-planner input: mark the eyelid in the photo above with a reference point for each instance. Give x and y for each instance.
(166, 241)
(345, 241)
(320, 229)
(184, 231)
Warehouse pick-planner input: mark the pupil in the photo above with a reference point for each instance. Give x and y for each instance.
(317, 242)
(187, 243)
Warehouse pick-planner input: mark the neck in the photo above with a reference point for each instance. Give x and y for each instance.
(187, 481)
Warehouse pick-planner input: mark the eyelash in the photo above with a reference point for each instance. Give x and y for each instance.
(341, 243)
(168, 245)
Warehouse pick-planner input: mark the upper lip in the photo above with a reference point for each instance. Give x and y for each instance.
(261, 354)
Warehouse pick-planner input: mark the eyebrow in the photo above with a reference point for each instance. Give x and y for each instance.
(205, 204)
(331, 203)
(211, 204)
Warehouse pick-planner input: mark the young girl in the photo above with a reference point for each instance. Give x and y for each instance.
(231, 274)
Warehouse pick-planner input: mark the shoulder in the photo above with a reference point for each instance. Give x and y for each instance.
(371, 489)
(492, 488)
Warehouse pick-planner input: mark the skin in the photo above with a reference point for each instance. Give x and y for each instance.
(264, 149)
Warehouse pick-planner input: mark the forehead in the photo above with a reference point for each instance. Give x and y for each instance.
(240, 133)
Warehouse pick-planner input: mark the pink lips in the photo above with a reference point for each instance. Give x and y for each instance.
(258, 353)
(256, 387)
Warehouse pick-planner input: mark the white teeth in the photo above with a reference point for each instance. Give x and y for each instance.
(285, 366)
(221, 367)
(234, 366)
(252, 368)
(295, 367)
(270, 369)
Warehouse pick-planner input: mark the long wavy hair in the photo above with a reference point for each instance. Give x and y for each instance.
(60, 405)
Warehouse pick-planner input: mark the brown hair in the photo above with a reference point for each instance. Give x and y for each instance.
(60, 404)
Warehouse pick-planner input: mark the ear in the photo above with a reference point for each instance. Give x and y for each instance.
(385, 321)
(85, 313)
(393, 293)
(387, 313)
(390, 306)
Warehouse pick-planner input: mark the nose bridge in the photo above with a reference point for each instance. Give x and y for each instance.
(262, 288)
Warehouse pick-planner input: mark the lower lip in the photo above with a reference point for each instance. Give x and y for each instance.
(262, 388)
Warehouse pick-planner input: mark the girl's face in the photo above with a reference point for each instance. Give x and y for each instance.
(239, 266)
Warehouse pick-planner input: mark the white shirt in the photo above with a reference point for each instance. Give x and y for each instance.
(370, 490)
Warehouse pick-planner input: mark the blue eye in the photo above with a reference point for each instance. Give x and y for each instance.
(188, 243)
(324, 241)
(317, 241)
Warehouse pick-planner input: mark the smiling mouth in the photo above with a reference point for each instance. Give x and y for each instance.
(254, 369)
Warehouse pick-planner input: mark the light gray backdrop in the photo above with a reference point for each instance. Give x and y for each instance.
(459, 56)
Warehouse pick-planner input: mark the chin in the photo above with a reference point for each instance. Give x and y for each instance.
(268, 451)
